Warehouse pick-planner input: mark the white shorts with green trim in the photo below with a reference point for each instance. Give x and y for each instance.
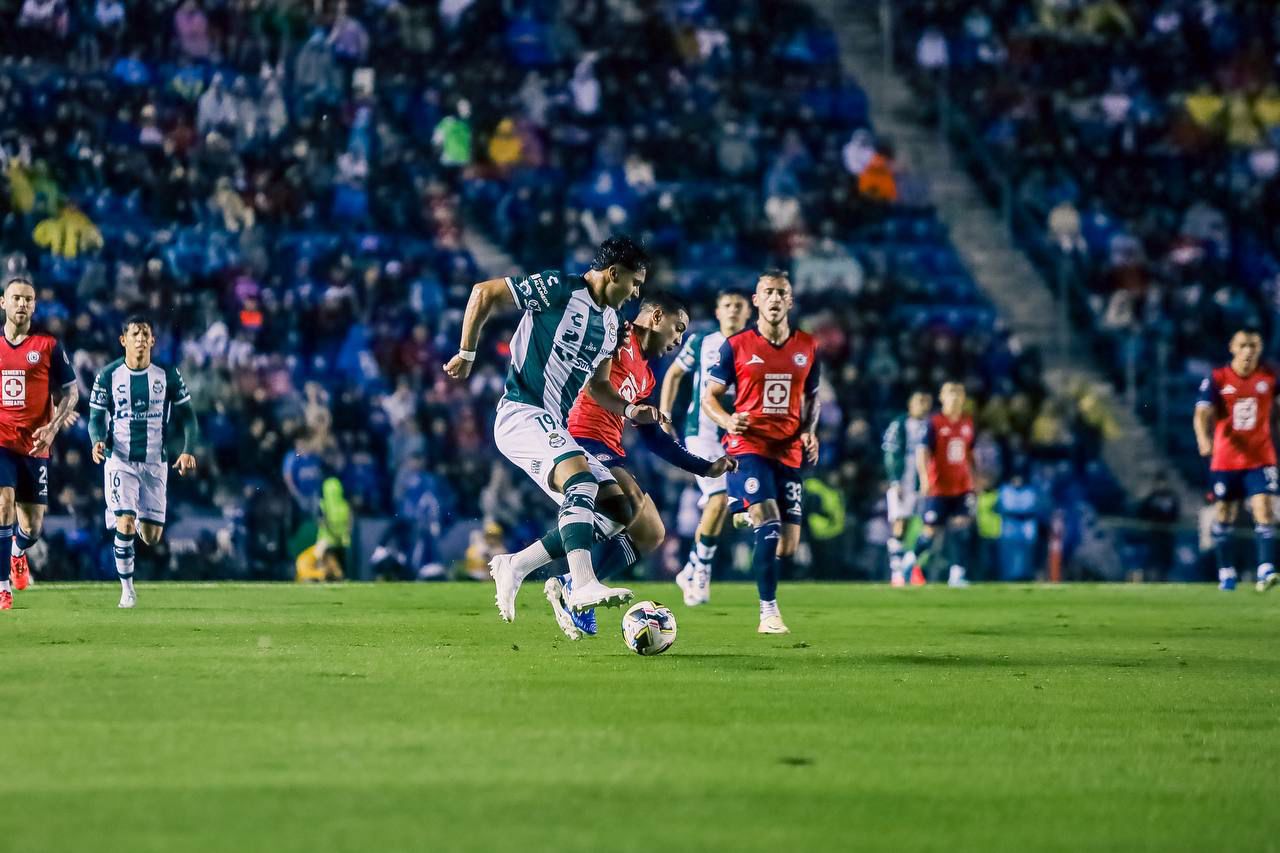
(138, 489)
(535, 442)
(709, 448)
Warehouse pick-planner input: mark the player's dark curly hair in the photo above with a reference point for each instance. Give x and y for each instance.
(623, 251)
(666, 302)
(135, 319)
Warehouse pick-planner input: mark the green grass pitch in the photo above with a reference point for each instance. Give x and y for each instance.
(390, 717)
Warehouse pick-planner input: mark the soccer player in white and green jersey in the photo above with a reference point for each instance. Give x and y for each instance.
(903, 436)
(133, 404)
(568, 333)
(702, 438)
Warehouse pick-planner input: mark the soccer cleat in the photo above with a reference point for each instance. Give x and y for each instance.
(772, 625)
(584, 621)
(685, 580)
(596, 594)
(917, 576)
(1267, 580)
(128, 599)
(507, 583)
(897, 579)
(1227, 579)
(6, 600)
(553, 589)
(957, 578)
(19, 572)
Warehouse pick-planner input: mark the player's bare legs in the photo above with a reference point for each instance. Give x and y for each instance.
(573, 479)
(695, 578)
(768, 526)
(6, 539)
(959, 541)
(29, 524)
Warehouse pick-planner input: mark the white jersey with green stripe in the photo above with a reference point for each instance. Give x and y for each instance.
(139, 406)
(698, 355)
(561, 340)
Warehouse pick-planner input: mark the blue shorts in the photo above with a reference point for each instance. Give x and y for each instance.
(941, 509)
(602, 452)
(26, 475)
(1245, 483)
(759, 479)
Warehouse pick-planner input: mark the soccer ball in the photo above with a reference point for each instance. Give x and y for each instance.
(648, 628)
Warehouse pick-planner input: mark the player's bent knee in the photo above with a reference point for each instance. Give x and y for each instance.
(150, 534)
(126, 524)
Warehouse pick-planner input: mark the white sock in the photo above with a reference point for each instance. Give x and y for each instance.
(580, 568)
(703, 553)
(957, 572)
(1226, 574)
(126, 584)
(768, 608)
(907, 560)
(531, 559)
(1265, 569)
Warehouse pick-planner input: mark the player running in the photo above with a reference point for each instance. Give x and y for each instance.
(131, 407)
(703, 438)
(944, 463)
(38, 397)
(771, 432)
(657, 330)
(903, 436)
(567, 334)
(1233, 428)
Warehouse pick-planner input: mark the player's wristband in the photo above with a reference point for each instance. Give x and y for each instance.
(467, 354)
(629, 411)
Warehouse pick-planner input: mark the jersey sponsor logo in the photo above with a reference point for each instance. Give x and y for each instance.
(777, 393)
(755, 359)
(800, 359)
(523, 287)
(33, 357)
(1228, 389)
(752, 485)
(1244, 414)
(13, 388)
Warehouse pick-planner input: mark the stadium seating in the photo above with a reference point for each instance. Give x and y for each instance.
(294, 221)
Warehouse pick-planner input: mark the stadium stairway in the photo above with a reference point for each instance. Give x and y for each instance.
(1013, 285)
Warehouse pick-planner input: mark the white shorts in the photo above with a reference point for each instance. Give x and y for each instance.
(531, 439)
(135, 488)
(902, 502)
(711, 449)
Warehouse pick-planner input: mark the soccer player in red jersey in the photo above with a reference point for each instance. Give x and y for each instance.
(38, 396)
(1233, 428)
(657, 330)
(945, 463)
(771, 432)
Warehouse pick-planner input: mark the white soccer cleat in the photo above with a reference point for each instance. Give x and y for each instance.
(1267, 581)
(688, 586)
(553, 589)
(772, 625)
(507, 583)
(128, 600)
(596, 594)
(957, 578)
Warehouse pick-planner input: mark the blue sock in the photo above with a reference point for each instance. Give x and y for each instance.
(22, 540)
(1221, 536)
(615, 554)
(959, 542)
(923, 543)
(765, 559)
(1264, 539)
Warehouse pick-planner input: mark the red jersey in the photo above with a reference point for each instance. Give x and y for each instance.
(950, 444)
(27, 373)
(1242, 406)
(633, 379)
(771, 382)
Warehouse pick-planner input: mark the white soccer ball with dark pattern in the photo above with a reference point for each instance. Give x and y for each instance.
(649, 628)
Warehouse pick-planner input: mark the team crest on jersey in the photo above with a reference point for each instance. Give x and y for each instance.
(1263, 386)
(752, 485)
(33, 357)
(800, 359)
(555, 440)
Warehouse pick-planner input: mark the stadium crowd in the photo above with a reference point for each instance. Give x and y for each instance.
(284, 186)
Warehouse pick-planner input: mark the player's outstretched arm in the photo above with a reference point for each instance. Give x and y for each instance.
(602, 391)
(486, 297)
(671, 387)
